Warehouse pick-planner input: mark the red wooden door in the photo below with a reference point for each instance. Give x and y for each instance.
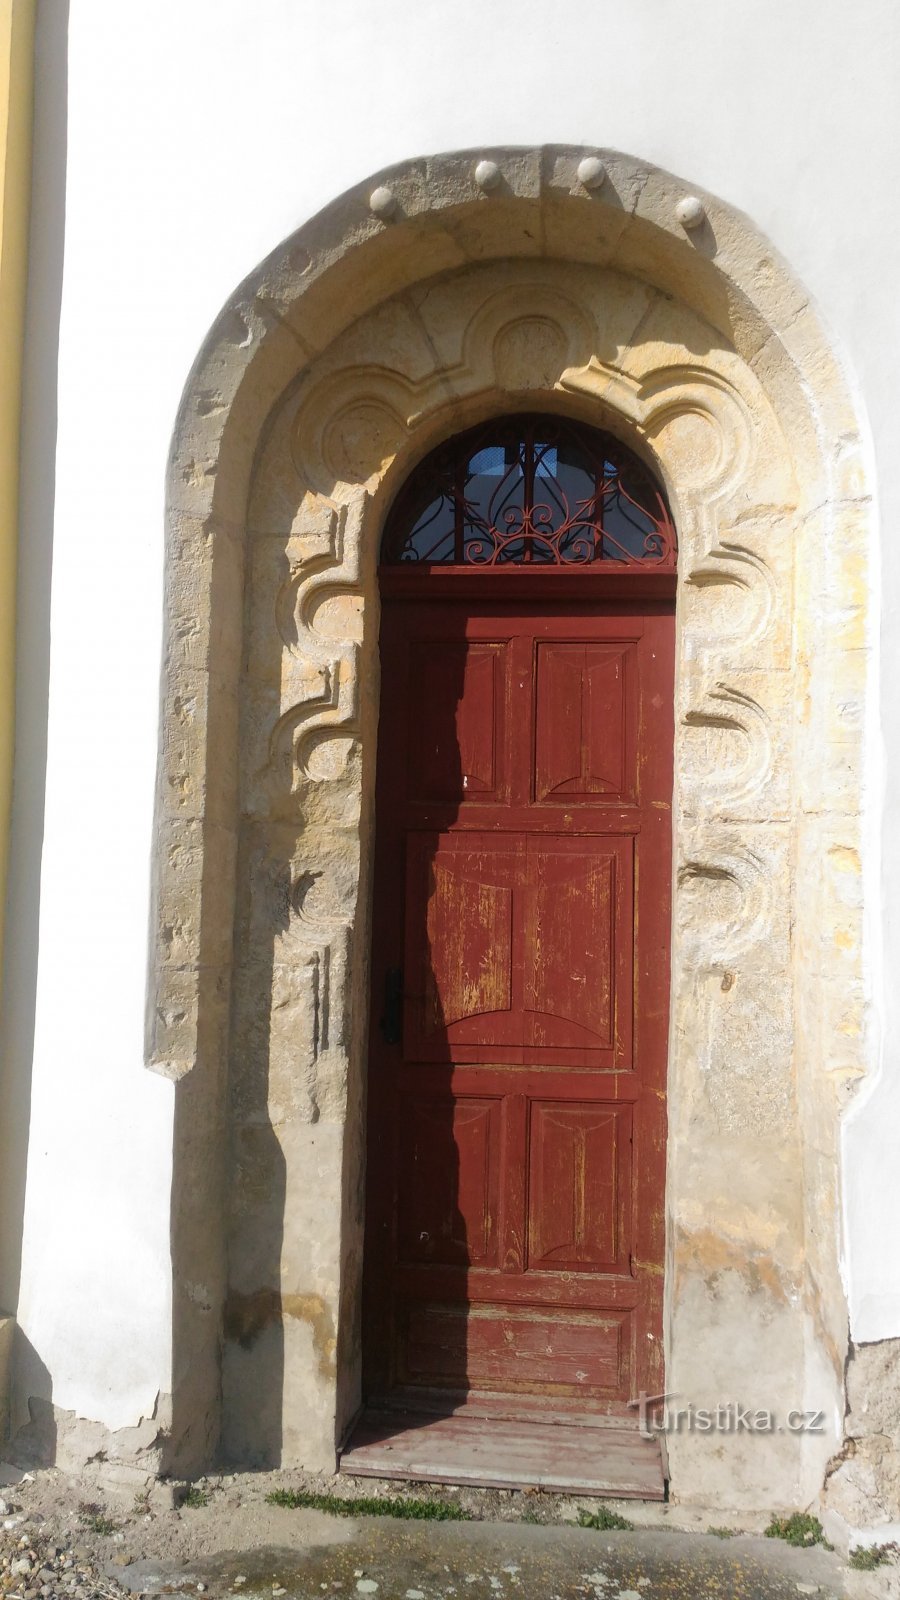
(516, 1150)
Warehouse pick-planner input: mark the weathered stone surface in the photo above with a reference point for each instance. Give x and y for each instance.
(864, 1487)
(359, 346)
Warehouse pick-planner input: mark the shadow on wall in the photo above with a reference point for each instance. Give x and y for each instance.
(253, 1376)
(415, 1218)
(201, 1198)
(32, 1387)
(33, 1423)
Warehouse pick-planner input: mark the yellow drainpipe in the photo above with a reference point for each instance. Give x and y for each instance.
(17, 21)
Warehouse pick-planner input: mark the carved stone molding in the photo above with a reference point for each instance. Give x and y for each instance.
(349, 355)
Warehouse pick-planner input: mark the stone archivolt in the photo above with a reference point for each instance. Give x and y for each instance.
(703, 368)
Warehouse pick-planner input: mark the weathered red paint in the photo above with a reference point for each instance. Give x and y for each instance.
(516, 1151)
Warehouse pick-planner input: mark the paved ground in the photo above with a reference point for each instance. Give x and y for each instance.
(490, 1561)
(97, 1539)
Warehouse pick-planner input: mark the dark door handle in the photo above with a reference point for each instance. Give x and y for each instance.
(392, 1017)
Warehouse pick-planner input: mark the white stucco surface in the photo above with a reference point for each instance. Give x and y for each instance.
(199, 135)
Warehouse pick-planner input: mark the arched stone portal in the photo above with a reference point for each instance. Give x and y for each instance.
(353, 350)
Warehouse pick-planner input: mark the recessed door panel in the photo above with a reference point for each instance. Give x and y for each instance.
(459, 945)
(578, 1190)
(513, 1351)
(585, 737)
(577, 944)
(449, 1178)
(456, 708)
(520, 944)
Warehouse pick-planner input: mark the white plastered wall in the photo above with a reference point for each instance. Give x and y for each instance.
(198, 136)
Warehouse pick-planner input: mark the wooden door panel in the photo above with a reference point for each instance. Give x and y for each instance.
(577, 945)
(456, 705)
(513, 1350)
(449, 1180)
(517, 1152)
(527, 950)
(578, 1189)
(459, 942)
(585, 735)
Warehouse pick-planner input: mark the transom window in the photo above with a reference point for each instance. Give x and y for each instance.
(531, 490)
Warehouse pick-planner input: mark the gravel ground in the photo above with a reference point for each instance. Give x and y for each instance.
(37, 1563)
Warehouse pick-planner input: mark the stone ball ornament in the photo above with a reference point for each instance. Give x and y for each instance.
(591, 172)
(690, 211)
(383, 202)
(487, 175)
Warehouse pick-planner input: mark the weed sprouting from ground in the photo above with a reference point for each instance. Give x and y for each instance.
(195, 1498)
(866, 1557)
(800, 1529)
(604, 1519)
(368, 1506)
(722, 1533)
(92, 1517)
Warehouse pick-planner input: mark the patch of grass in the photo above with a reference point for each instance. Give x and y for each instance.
(530, 1516)
(604, 1519)
(368, 1506)
(92, 1516)
(866, 1557)
(195, 1498)
(799, 1529)
(722, 1533)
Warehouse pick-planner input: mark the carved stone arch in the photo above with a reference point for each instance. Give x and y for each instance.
(357, 346)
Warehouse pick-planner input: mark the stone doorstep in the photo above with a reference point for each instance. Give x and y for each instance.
(7, 1324)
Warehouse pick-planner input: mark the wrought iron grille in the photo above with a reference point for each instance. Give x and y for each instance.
(531, 490)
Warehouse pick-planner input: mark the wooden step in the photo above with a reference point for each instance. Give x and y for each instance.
(505, 1453)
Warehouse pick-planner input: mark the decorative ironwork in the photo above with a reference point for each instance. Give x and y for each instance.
(531, 490)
